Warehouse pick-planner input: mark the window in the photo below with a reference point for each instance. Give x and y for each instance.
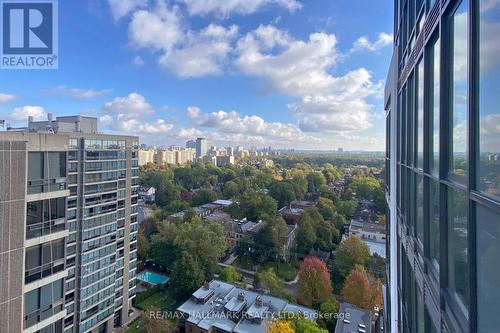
(35, 166)
(57, 165)
(42, 303)
(420, 209)
(434, 108)
(420, 115)
(434, 223)
(488, 275)
(459, 125)
(489, 110)
(458, 272)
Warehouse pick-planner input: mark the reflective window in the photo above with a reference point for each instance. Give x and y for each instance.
(434, 223)
(488, 274)
(458, 274)
(420, 115)
(489, 117)
(458, 149)
(434, 102)
(420, 209)
(35, 166)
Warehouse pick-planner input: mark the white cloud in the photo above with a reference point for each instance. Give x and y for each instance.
(224, 8)
(138, 61)
(158, 28)
(23, 112)
(133, 114)
(490, 133)
(121, 8)
(138, 126)
(184, 52)
(134, 105)
(6, 98)
(106, 120)
(290, 66)
(235, 123)
(77, 93)
(363, 43)
(202, 53)
(302, 69)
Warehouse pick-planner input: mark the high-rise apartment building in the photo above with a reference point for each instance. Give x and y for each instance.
(33, 230)
(201, 147)
(79, 229)
(443, 124)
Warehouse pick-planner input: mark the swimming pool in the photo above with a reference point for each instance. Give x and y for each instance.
(152, 278)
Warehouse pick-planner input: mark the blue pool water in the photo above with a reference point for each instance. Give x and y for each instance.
(152, 278)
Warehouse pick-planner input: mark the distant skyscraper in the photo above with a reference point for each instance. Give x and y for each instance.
(229, 151)
(441, 101)
(201, 147)
(191, 144)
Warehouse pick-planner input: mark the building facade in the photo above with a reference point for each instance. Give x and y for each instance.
(79, 230)
(201, 147)
(33, 232)
(444, 189)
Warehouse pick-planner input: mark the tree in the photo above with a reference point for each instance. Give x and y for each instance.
(380, 200)
(282, 192)
(356, 289)
(315, 181)
(331, 172)
(305, 238)
(163, 251)
(149, 226)
(142, 245)
(280, 327)
(254, 205)
(204, 196)
(204, 240)
(271, 281)
(229, 274)
(268, 243)
(326, 208)
(329, 309)
(231, 189)
(339, 221)
(299, 184)
(347, 208)
(303, 325)
(350, 252)
(364, 187)
(314, 281)
(154, 324)
(166, 193)
(376, 266)
(187, 274)
(377, 295)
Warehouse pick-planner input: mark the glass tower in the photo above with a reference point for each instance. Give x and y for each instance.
(443, 163)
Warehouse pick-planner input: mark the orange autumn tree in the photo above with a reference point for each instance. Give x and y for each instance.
(280, 327)
(377, 295)
(357, 288)
(314, 283)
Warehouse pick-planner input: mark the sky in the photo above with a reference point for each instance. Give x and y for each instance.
(303, 74)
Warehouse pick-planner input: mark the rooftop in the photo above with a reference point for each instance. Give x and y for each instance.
(253, 309)
(355, 319)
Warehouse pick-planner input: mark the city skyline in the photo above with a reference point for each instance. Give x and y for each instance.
(291, 74)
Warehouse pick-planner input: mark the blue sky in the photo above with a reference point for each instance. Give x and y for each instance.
(286, 73)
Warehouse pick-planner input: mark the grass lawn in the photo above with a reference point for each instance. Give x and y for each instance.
(245, 263)
(162, 300)
(131, 328)
(284, 271)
